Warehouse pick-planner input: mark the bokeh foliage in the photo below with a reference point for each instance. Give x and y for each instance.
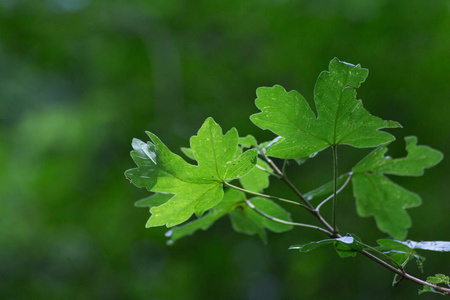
(80, 78)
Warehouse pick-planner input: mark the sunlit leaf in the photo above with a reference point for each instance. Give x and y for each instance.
(257, 180)
(341, 119)
(229, 202)
(243, 218)
(248, 141)
(188, 152)
(195, 188)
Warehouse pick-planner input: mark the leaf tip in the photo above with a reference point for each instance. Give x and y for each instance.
(152, 136)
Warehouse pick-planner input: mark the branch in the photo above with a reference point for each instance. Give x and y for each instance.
(333, 234)
(405, 275)
(402, 273)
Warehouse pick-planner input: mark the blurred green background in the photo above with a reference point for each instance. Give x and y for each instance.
(80, 78)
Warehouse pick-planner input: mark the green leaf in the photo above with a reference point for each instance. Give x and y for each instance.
(341, 119)
(349, 246)
(272, 209)
(428, 289)
(246, 220)
(153, 200)
(326, 189)
(248, 141)
(437, 279)
(216, 153)
(195, 188)
(243, 218)
(387, 244)
(399, 252)
(229, 202)
(346, 246)
(378, 196)
(188, 152)
(257, 180)
(417, 160)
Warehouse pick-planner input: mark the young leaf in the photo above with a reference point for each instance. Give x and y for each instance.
(243, 218)
(341, 119)
(248, 141)
(188, 152)
(326, 189)
(229, 202)
(153, 200)
(256, 180)
(349, 246)
(377, 196)
(345, 246)
(247, 220)
(196, 188)
(437, 279)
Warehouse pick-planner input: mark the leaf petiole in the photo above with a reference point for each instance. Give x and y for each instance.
(265, 196)
(267, 171)
(349, 174)
(284, 221)
(335, 171)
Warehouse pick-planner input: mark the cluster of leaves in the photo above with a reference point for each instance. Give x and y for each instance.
(204, 189)
(184, 189)
(437, 279)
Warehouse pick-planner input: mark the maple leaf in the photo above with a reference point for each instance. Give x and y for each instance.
(341, 119)
(243, 218)
(378, 196)
(195, 188)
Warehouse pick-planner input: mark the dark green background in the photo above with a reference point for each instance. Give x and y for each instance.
(80, 78)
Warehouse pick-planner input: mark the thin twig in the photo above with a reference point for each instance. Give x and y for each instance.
(383, 254)
(272, 164)
(283, 221)
(405, 275)
(401, 272)
(267, 171)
